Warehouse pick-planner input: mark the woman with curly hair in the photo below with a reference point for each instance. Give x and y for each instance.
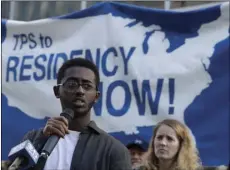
(171, 148)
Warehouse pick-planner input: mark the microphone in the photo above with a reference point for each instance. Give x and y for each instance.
(52, 141)
(23, 156)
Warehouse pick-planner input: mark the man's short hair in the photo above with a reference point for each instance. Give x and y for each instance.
(78, 62)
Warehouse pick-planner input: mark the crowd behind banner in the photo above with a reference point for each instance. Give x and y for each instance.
(152, 69)
(171, 141)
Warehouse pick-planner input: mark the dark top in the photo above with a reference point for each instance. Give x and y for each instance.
(95, 150)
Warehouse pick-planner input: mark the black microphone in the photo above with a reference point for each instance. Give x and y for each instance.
(23, 156)
(52, 141)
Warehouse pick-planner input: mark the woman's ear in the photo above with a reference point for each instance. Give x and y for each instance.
(56, 91)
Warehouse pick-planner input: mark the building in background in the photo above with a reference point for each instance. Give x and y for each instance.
(33, 10)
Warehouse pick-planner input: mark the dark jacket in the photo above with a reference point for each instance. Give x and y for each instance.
(95, 150)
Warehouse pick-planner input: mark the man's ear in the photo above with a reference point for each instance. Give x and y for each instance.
(56, 91)
(97, 96)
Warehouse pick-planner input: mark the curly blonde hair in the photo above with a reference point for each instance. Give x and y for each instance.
(187, 157)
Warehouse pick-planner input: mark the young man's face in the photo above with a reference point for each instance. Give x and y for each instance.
(136, 154)
(78, 90)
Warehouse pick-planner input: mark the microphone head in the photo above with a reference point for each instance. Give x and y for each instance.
(68, 114)
(26, 150)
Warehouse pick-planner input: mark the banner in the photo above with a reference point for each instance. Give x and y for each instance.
(154, 64)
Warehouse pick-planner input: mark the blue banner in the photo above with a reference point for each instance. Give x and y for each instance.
(154, 64)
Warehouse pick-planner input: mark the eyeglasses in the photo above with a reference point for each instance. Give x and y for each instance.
(72, 86)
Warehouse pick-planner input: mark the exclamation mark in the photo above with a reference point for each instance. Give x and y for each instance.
(171, 95)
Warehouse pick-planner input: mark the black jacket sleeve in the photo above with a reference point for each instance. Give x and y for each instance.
(120, 157)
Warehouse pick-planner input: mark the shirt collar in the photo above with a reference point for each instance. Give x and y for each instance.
(92, 125)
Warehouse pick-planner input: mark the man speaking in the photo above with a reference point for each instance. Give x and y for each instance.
(82, 145)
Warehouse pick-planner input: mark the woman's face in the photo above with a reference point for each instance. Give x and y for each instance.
(166, 143)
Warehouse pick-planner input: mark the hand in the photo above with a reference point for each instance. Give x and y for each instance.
(56, 126)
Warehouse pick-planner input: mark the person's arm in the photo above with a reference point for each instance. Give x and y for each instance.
(120, 158)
